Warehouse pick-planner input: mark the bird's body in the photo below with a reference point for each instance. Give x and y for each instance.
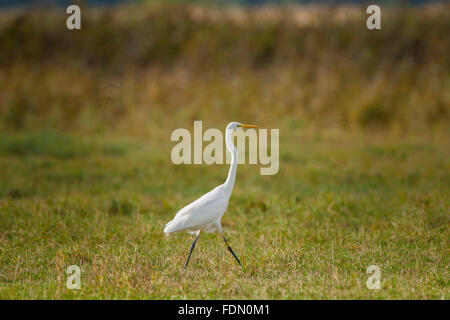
(205, 213)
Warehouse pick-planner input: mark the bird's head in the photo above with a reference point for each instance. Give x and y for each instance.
(235, 125)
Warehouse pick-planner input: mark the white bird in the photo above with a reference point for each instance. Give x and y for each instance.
(205, 213)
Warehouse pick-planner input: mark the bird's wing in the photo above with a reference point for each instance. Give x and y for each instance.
(205, 209)
(204, 200)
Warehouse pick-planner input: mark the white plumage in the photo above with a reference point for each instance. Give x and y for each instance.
(205, 213)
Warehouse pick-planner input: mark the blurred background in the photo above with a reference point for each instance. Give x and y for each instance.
(241, 2)
(313, 65)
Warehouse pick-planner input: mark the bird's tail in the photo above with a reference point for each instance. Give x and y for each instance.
(171, 227)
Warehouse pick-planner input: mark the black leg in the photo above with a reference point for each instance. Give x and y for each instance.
(190, 251)
(231, 250)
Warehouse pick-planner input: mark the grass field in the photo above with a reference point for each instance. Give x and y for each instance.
(338, 205)
(86, 176)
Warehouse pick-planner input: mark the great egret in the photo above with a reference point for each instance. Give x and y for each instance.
(205, 213)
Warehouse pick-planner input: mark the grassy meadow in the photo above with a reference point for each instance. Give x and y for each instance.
(86, 177)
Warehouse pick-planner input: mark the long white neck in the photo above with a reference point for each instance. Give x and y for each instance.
(229, 184)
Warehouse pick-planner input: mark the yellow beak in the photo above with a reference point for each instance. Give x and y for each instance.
(248, 126)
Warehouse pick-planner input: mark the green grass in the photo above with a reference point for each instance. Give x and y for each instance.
(339, 204)
(86, 176)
